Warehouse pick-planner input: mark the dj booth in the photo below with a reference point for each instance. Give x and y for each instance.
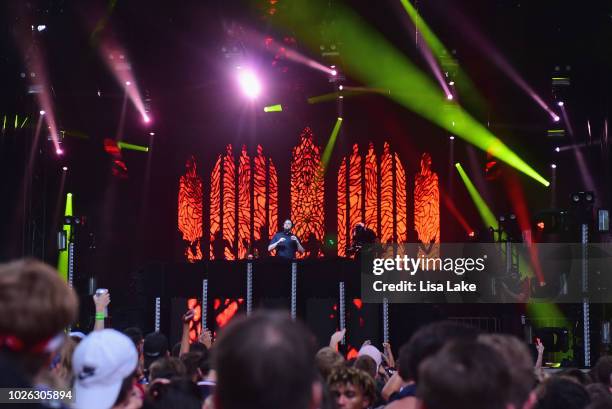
(324, 293)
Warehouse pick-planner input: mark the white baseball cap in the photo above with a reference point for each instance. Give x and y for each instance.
(372, 352)
(100, 363)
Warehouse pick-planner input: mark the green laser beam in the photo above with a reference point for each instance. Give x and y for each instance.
(485, 212)
(132, 147)
(463, 83)
(329, 147)
(372, 60)
(274, 108)
(4, 123)
(347, 92)
(16, 120)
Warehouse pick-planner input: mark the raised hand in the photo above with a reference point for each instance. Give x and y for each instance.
(188, 316)
(336, 338)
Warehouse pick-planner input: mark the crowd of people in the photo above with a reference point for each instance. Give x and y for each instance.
(266, 361)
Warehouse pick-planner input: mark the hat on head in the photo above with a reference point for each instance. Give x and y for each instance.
(372, 352)
(77, 334)
(100, 363)
(155, 346)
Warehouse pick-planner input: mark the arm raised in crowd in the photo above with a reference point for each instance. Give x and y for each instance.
(187, 317)
(101, 302)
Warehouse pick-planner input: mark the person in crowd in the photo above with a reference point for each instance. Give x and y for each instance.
(199, 370)
(174, 394)
(135, 334)
(425, 342)
(167, 367)
(176, 350)
(101, 302)
(61, 366)
(327, 359)
(37, 306)
(598, 391)
(266, 361)
(577, 375)
(104, 366)
(366, 364)
(561, 393)
(464, 374)
(351, 388)
(155, 346)
(602, 371)
(285, 242)
(193, 362)
(518, 360)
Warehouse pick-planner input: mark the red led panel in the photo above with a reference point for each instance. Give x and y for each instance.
(215, 203)
(307, 192)
(371, 189)
(355, 193)
(229, 201)
(273, 198)
(386, 196)
(244, 203)
(401, 222)
(342, 235)
(427, 203)
(259, 193)
(190, 210)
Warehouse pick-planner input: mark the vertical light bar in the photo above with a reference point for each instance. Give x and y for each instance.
(62, 262)
(249, 285)
(157, 314)
(342, 309)
(385, 312)
(293, 290)
(204, 303)
(586, 316)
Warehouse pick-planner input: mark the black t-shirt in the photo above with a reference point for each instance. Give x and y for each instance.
(285, 249)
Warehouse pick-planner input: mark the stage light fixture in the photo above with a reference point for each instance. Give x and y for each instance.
(553, 165)
(557, 149)
(451, 83)
(583, 197)
(152, 133)
(560, 103)
(334, 73)
(128, 83)
(556, 118)
(41, 27)
(42, 112)
(449, 97)
(65, 168)
(452, 138)
(340, 87)
(273, 108)
(146, 118)
(59, 151)
(249, 83)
